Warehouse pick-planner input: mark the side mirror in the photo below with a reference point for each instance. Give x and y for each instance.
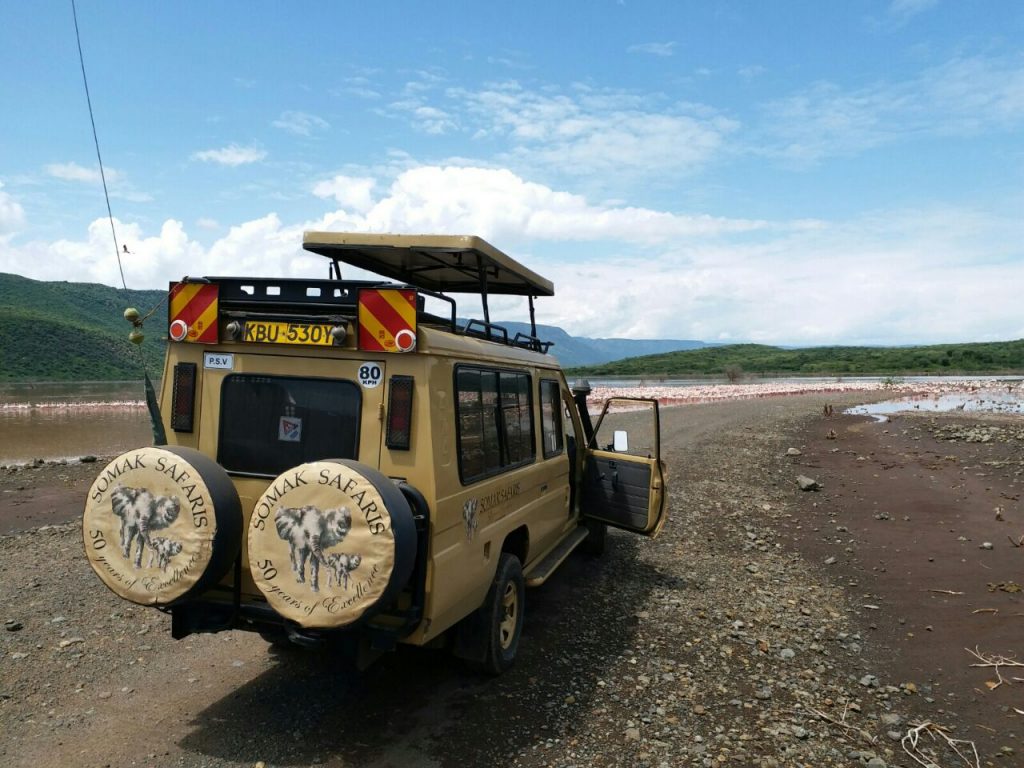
(620, 442)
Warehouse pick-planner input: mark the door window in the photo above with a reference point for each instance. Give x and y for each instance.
(552, 434)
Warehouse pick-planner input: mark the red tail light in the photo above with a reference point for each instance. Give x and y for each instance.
(183, 399)
(399, 433)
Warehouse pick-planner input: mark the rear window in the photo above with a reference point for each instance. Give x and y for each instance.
(271, 423)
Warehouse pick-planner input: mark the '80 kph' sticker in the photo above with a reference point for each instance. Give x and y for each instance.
(370, 375)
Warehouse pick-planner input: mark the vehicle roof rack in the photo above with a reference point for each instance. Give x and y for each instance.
(444, 263)
(440, 263)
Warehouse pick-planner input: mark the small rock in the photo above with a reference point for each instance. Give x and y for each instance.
(787, 653)
(869, 681)
(807, 483)
(794, 452)
(87, 459)
(71, 641)
(986, 545)
(830, 560)
(632, 734)
(12, 625)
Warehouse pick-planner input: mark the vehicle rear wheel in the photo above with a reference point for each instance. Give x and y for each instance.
(494, 630)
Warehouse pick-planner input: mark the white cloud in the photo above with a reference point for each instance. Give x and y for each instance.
(362, 93)
(902, 11)
(232, 155)
(12, 215)
(300, 123)
(931, 275)
(960, 97)
(426, 119)
(207, 223)
(75, 172)
(351, 193)
(597, 132)
(495, 203)
(905, 277)
(654, 49)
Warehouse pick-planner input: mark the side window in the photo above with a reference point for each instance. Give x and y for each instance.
(552, 434)
(494, 421)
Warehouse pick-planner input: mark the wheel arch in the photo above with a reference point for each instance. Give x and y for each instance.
(517, 542)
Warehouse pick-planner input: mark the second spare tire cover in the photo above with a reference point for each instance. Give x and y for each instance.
(161, 524)
(330, 542)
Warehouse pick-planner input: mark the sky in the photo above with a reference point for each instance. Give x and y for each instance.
(797, 173)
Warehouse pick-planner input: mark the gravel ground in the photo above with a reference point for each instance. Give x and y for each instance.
(716, 644)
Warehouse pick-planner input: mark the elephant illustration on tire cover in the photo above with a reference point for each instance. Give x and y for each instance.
(309, 531)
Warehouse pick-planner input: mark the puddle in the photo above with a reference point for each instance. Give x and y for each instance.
(988, 401)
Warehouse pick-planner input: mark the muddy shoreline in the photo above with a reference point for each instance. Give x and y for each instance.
(758, 620)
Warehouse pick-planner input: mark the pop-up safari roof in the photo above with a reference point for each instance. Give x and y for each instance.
(442, 263)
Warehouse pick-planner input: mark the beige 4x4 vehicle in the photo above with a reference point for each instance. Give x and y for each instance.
(346, 467)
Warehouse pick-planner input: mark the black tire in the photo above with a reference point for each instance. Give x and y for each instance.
(597, 532)
(497, 625)
(382, 567)
(177, 505)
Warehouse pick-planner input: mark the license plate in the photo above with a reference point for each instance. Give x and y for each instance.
(269, 332)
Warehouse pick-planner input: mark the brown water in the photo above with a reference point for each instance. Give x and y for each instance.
(66, 420)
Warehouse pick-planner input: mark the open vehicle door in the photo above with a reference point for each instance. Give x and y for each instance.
(624, 479)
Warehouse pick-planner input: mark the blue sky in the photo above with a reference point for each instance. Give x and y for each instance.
(780, 172)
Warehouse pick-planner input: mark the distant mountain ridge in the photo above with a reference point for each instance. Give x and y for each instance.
(62, 331)
(574, 351)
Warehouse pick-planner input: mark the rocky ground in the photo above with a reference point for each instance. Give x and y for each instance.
(752, 632)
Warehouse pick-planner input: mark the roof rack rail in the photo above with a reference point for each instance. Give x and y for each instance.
(526, 341)
(482, 329)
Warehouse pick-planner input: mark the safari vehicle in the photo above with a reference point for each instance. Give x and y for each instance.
(344, 466)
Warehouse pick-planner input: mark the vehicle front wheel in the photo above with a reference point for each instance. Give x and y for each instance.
(491, 637)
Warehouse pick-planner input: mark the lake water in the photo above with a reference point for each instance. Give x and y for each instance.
(987, 401)
(65, 420)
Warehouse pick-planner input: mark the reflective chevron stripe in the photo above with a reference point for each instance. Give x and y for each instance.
(195, 304)
(387, 319)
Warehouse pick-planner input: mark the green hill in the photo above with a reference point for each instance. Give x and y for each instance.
(993, 357)
(60, 331)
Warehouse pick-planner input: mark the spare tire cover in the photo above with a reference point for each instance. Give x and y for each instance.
(331, 542)
(162, 524)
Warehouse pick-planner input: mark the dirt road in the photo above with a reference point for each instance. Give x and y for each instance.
(723, 642)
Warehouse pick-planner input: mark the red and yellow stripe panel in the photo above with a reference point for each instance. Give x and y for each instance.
(387, 319)
(195, 305)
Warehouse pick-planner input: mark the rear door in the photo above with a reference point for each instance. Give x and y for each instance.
(624, 478)
(278, 411)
